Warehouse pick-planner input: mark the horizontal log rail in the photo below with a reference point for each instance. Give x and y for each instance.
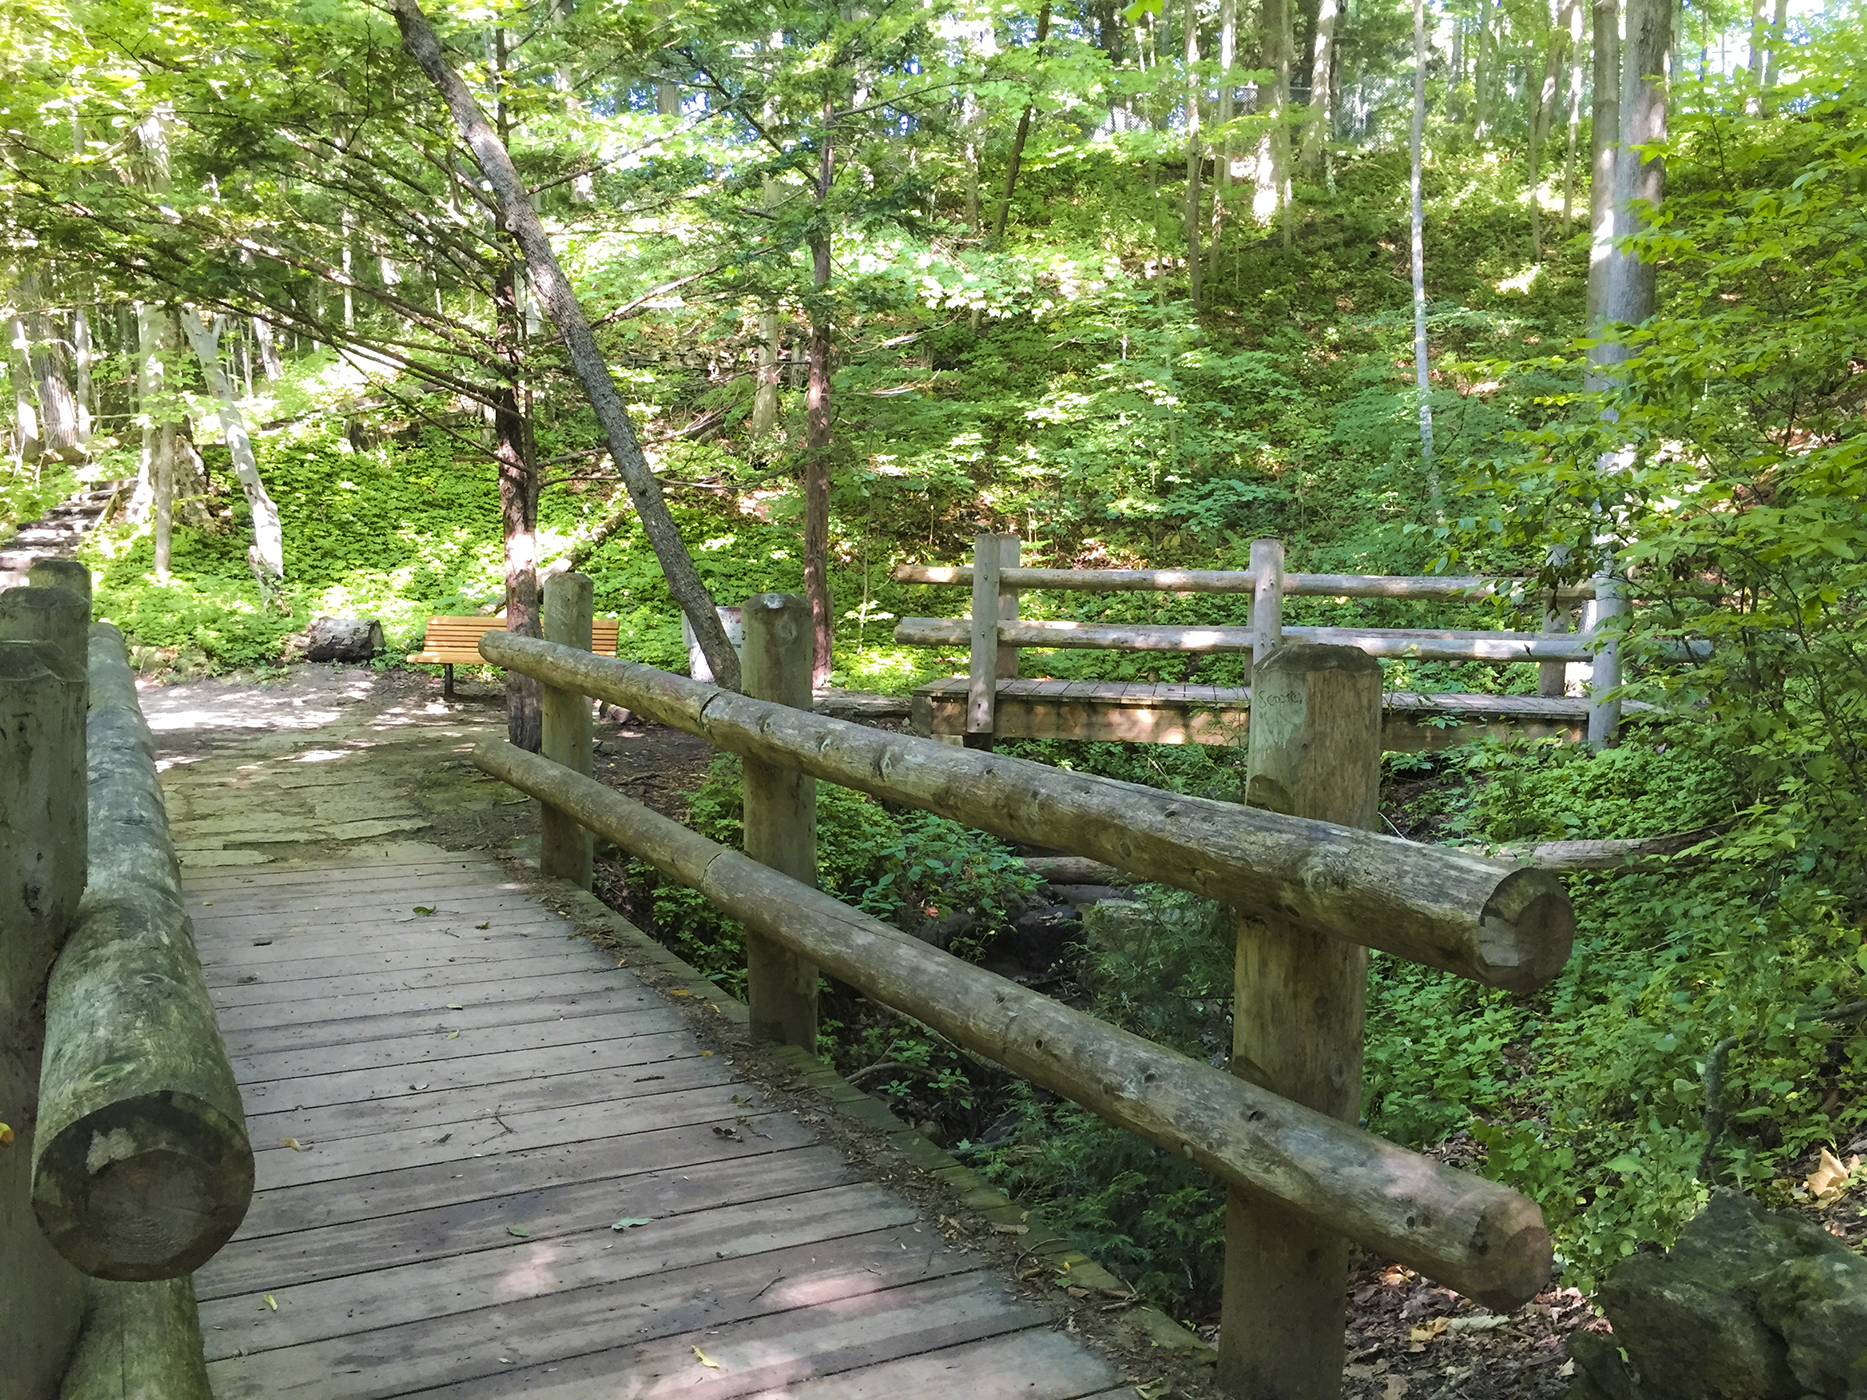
(1471, 1234)
(1469, 586)
(1420, 644)
(1461, 913)
(141, 1165)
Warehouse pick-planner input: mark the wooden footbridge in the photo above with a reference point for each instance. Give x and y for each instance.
(385, 1128)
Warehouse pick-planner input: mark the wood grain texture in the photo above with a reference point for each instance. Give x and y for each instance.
(441, 1221)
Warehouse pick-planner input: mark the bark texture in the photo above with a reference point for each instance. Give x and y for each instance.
(42, 862)
(560, 300)
(1468, 1233)
(266, 557)
(141, 1341)
(141, 1168)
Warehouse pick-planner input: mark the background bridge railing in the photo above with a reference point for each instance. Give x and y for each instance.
(1313, 885)
(126, 1164)
(995, 632)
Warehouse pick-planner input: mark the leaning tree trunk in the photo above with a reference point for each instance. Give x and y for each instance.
(266, 558)
(554, 290)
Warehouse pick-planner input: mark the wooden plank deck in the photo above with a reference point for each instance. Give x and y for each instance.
(452, 1110)
(1147, 713)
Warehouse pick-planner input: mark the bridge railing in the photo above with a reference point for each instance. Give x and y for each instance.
(995, 632)
(126, 1164)
(1313, 884)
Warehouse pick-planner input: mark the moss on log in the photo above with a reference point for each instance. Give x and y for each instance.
(142, 1168)
(141, 1341)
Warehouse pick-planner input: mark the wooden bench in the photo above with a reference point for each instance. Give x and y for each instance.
(456, 640)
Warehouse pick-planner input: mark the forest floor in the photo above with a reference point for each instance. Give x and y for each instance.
(408, 775)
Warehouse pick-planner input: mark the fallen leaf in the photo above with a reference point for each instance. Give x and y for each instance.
(1567, 1369)
(1077, 1292)
(1829, 1181)
(1477, 1322)
(515, 1230)
(453, 1035)
(1426, 1331)
(424, 909)
(629, 1222)
(6, 1135)
(455, 1006)
(405, 918)
(680, 992)
(487, 924)
(272, 1302)
(1396, 1388)
(706, 1360)
(706, 1054)
(1011, 1229)
(294, 1144)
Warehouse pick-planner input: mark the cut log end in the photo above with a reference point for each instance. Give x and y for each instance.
(1514, 1256)
(1526, 930)
(145, 1188)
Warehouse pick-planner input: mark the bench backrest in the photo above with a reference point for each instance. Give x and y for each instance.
(464, 633)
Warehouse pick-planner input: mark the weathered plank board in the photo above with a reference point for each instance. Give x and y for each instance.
(443, 1224)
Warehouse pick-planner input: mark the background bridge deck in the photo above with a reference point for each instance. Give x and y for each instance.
(453, 1110)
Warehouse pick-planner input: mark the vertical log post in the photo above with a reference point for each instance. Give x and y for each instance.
(1604, 713)
(982, 683)
(43, 838)
(1552, 676)
(52, 615)
(565, 847)
(1267, 597)
(780, 816)
(1007, 668)
(1297, 1021)
(67, 574)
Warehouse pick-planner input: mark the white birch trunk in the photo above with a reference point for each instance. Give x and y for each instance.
(1420, 364)
(267, 557)
(1192, 153)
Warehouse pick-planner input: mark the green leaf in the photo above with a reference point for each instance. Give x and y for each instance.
(630, 1222)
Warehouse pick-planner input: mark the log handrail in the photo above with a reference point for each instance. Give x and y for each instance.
(1477, 1236)
(1464, 586)
(1459, 912)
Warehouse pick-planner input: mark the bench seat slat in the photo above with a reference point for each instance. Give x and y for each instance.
(455, 641)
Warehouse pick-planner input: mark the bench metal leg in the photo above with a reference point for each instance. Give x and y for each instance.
(447, 679)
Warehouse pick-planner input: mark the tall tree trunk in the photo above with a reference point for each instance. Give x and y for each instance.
(1778, 37)
(1575, 116)
(266, 557)
(554, 289)
(765, 396)
(1639, 184)
(1278, 20)
(1018, 140)
(1606, 117)
(1221, 196)
(1322, 79)
(817, 418)
(25, 414)
(1484, 63)
(1421, 366)
(1193, 153)
(269, 361)
(518, 520)
(49, 358)
(83, 357)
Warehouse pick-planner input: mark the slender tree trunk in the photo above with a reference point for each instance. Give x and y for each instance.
(1483, 64)
(49, 358)
(25, 414)
(1421, 366)
(83, 357)
(1018, 140)
(765, 396)
(1283, 46)
(1606, 117)
(266, 557)
(554, 289)
(1778, 37)
(1540, 114)
(1322, 79)
(817, 420)
(1221, 197)
(269, 362)
(1193, 153)
(518, 519)
(1575, 116)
